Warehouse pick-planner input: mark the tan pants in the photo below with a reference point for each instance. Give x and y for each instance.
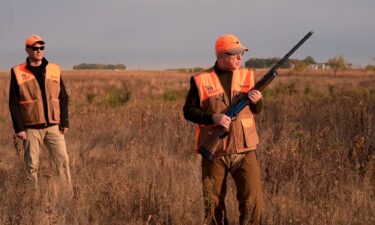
(245, 171)
(55, 143)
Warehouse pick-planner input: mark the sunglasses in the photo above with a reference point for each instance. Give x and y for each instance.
(230, 54)
(41, 48)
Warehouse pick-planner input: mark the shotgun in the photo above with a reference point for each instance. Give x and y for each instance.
(208, 148)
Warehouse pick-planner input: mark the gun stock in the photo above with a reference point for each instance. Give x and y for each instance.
(208, 148)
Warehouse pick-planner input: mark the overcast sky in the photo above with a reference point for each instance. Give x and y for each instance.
(161, 34)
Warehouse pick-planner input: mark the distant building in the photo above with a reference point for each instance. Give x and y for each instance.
(321, 66)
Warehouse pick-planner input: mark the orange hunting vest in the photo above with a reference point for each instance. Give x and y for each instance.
(242, 135)
(31, 101)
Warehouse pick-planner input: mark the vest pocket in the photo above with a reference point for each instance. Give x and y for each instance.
(250, 133)
(29, 111)
(55, 109)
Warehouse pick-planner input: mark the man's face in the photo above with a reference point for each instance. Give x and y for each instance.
(229, 62)
(35, 52)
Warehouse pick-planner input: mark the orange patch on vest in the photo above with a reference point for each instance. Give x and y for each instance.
(25, 77)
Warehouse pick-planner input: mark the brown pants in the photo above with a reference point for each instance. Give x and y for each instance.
(245, 171)
(55, 143)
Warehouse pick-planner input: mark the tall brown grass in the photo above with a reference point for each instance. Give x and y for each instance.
(133, 162)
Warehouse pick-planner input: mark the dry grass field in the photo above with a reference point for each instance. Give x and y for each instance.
(132, 159)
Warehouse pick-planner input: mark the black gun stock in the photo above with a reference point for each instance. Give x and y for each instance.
(208, 148)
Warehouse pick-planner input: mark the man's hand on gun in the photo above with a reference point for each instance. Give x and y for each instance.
(221, 120)
(254, 96)
(224, 120)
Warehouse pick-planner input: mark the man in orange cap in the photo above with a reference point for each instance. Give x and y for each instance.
(38, 104)
(211, 94)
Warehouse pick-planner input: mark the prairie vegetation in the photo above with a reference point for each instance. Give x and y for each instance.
(132, 159)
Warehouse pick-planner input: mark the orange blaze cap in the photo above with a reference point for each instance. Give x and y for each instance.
(33, 39)
(230, 44)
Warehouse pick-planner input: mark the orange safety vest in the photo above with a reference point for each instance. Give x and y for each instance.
(242, 135)
(31, 101)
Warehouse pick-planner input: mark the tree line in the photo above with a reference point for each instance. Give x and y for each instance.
(269, 62)
(93, 66)
(335, 63)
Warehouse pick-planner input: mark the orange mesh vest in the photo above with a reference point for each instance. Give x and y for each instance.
(31, 101)
(242, 135)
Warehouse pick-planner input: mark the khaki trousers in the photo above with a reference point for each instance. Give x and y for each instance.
(55, 143)
(245, 171)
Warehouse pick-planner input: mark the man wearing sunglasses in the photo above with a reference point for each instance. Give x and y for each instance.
(211, 94)
(38, 104)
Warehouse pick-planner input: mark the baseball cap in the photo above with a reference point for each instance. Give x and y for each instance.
(33, 39)
(229, 43)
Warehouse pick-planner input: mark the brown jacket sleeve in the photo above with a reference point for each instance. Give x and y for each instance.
(13, 104)
(192, 110)
(64, 102)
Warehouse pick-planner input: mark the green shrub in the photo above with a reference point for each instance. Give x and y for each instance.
(307, 89)
(331, 89)
(174, 95)
(90, 97)
(170, 95)
(116, 97)
(370, 67)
